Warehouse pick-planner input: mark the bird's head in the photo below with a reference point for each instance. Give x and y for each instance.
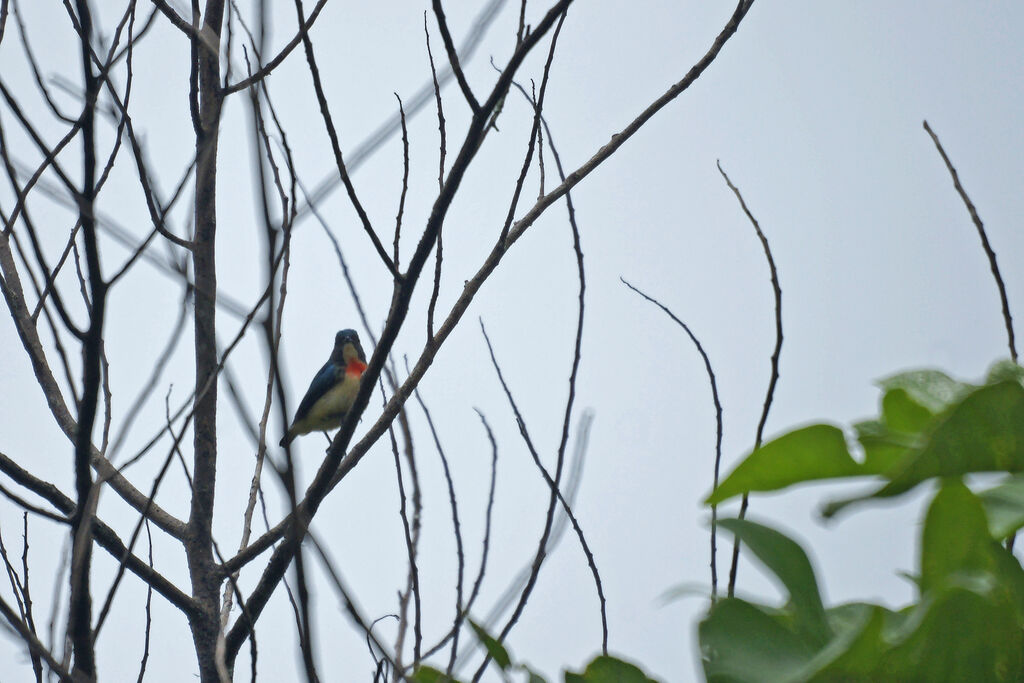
(347, 348)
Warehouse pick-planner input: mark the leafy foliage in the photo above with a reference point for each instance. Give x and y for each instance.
(968, 621)
(602, 669)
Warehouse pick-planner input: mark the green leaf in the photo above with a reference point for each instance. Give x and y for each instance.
(605, 669)
(815, 452)
(426, 674)
(902, 413)
(741, 642)
(1004, 506)
(955, 537)
(1005, 371)
(533, 676)
(882, 448)
(968, 631)
(856, 650)
(495, 649)
(984, 432)
(787, 561)
(932, 389)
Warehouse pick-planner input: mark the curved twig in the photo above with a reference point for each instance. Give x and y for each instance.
(770, 393)
(718, 427)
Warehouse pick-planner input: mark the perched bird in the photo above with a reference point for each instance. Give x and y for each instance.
(332, 391)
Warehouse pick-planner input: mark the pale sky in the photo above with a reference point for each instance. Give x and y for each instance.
(815, 111)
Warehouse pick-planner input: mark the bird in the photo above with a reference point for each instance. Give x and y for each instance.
(333, 389)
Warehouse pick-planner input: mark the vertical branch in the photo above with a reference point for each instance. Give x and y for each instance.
(411, 544)
(149, 612)
(405, 180)
(460, 555)
(440, 171)
(770, 393)
(92, 342)
(1007, 319)
(206, 102)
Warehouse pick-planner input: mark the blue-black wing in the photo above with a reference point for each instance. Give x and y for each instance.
(321, 384)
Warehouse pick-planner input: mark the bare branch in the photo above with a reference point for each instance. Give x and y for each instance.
(265, 70)
(989, 252)
(420, 98)
(440, 172)
(770, 393)
(619, 138)
(453, 57)
(333, 468)
(412, 533)
(32, 642)
(103, 534)
(80, 609)
(188, 29)
(718, 428)
(556, 497)
(149, 612)
(332, 133)
(459, 612)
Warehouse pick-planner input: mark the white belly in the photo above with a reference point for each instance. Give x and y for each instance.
(329, 411)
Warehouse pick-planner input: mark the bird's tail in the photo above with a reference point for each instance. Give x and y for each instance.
(286, 439)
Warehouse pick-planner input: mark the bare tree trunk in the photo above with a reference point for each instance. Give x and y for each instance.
(206, 107)
(92, 342)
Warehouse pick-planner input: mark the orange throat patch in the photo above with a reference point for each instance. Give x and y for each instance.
(355, 368)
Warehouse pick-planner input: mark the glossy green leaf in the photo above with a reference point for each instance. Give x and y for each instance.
(807, 454)
(984, 432)
(787, 561)
(932, 389)
(495, 649)
(903, 414)
(1004, 506)
(606, 669)
(745, 643)
(955, 536)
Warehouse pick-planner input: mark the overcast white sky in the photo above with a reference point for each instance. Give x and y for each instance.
(815, 111)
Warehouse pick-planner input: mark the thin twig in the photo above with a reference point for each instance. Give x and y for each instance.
(261, 74)
(33, 643)
(460, 555)
(440, 173)
(412, 532)
(770, 393)
(103, 534)
(149, 612)
(453, 57)
(413, 105)
(556, 496)
(718, 427)
(989, 252)
(332, 133)
(405, 180)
